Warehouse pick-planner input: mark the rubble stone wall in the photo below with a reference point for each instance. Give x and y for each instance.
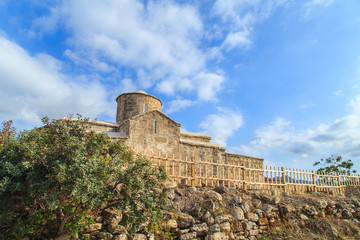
(227, 214)
(144, 137)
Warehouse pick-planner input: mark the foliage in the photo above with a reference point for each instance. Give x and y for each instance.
(54, 178)
(335, 164)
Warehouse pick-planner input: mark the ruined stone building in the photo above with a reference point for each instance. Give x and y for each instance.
(143, 127)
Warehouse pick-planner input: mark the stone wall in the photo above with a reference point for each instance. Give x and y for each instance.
(132, 104)
(228, 214)
(246, 161)
(143, 136)
(101, 127)
(195, 137)
(202, 152)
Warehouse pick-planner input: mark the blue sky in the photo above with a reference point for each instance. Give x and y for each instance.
(277, 79)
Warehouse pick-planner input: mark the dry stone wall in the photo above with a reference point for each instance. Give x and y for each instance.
(227, 214)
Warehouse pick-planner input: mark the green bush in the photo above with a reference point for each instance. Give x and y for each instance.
(55, 178)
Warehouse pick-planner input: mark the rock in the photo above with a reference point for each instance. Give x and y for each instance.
(104, 235)
(172, 224)
(356, 222)
(200, 229)
(233, 190)
(347, 214)
(215, 228)
(217, 236)
(257, 203)
(267, 208)
(120, 237)
(238, 214)
(246, 206)
(255, 195)
(320, 203)
(237, 226)
(356, 203)
(294, 222)
(114, 229)
(236, 200)
(112, 217)
(221, 189)
(214, 195)
(151, 236)
(170, 193)
(331, 203)
(309, 211)
(180, 192)
(223, 218)
(226, 227)
(266, 198)
(93, 227)
(276, 200)
(259, 212)
(185, 220)
(169, 185)
(284, 194)
(341, 205)
(208, 218)
(253, 232)
(210, 205)
(252, 217)
(263, 222)
(303, 217)
(249, 225)
(191, 189)
(139, 236)
(285, 209)
(188, 236)
(183, 231)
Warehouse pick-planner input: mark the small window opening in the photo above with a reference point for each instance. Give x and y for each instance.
(155, 127)
(145, 108)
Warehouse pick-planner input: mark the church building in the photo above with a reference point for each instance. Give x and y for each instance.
(144, 128)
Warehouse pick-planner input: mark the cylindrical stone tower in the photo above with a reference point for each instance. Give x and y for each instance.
(132, 104)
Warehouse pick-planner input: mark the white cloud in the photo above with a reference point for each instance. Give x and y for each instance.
(32, 87)
(340, 137)
(239, 18)
(239, 39)
(179, 104)
(222, 125)
(312, 4)
(159, 41)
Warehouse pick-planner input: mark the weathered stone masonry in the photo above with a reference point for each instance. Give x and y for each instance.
(143, 127)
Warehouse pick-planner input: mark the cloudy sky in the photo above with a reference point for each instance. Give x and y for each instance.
(277, 79)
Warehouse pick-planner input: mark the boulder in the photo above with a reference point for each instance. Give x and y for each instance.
(200, 229)
(185, 220)
(93, 227)
(214, 195)
(188, 236)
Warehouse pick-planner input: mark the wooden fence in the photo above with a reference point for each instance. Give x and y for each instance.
(191, 172)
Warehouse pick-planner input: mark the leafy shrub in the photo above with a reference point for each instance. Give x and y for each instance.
(55, 178)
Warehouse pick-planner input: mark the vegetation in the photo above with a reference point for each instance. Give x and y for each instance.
(56, 178)
(335, 164)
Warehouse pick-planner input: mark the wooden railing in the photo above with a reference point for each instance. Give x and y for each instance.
(191, 172)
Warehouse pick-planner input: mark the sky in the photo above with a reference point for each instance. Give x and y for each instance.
(276, 79)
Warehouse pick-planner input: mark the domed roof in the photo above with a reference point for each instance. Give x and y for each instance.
(141, 91)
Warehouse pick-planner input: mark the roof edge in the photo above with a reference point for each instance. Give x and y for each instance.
(139, 93)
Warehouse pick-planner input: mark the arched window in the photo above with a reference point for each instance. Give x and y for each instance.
(145, 107)
(155, 127)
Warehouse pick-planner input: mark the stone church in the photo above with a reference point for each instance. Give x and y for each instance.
(144, 128)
